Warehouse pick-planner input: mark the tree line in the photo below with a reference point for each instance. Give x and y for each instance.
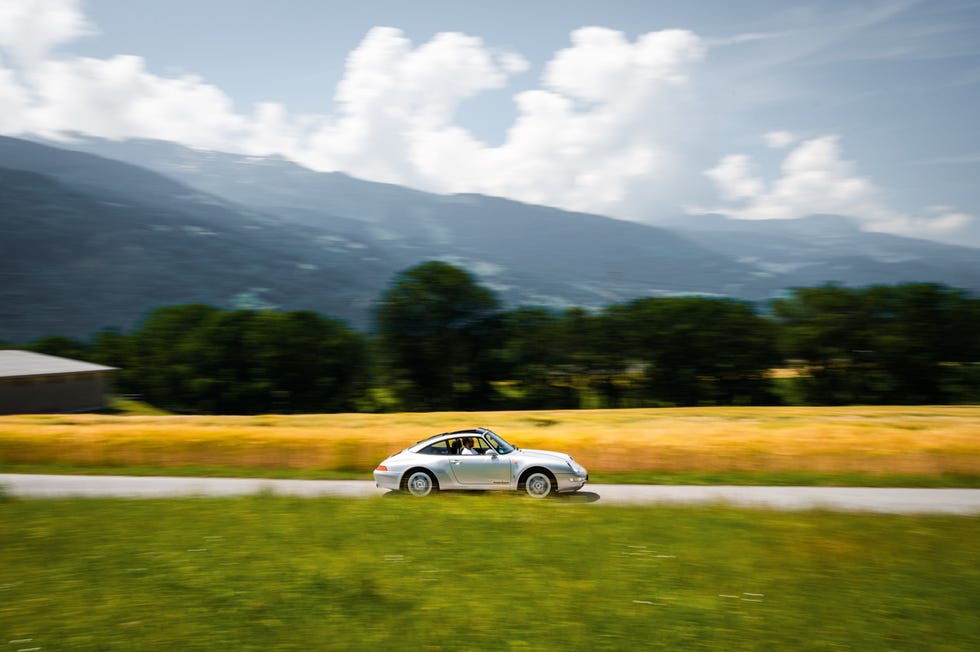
(441, 341)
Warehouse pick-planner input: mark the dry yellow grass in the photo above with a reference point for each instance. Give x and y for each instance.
(875, 440)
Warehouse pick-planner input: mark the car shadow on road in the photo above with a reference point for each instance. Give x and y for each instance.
(578, 497)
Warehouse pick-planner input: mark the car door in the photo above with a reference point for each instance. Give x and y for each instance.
(485, 470)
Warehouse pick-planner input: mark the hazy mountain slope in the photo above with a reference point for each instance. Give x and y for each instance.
(73, 263)
(530, 253)
(95, 243)
(89, 242)
(771, 255)
(259, 182)
(591, 259)
(823, 248)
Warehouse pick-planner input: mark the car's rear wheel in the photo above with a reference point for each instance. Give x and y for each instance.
(539, 484)
(420, 483)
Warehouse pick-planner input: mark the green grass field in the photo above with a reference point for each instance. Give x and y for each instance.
(480, 572)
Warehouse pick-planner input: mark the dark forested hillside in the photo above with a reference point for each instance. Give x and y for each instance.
(73, 263)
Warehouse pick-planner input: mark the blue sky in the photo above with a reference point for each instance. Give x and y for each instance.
(642, 110)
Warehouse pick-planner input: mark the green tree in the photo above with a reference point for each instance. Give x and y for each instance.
(161, 360)
(698, 351)
(308, 362)
(824, 330)
(201, 359)
(595, 355)
(536, 358)
(63, 347)
(112, 348)
(911, 343)
(438, 331)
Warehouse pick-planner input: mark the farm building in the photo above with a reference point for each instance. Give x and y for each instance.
(36, 383)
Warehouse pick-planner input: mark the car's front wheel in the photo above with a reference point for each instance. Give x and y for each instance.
(539, 484)
(420, 483)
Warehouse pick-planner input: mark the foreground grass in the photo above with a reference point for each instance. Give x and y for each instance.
(919, 446)
(481, 572)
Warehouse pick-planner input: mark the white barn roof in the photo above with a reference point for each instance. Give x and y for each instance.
(19, 364)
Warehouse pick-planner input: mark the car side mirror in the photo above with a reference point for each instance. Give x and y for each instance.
(492, 453)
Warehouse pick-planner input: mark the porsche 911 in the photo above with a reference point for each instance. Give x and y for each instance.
(478, 459)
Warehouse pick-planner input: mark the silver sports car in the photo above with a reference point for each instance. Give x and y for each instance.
(478, 459)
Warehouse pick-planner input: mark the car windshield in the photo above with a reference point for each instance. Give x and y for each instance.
(498, 443)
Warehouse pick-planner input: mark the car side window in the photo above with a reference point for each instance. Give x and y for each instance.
(438, 448)
(480, 445)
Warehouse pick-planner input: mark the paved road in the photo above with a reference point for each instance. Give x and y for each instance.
(890, 501)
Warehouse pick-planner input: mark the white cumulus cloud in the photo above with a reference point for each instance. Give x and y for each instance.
(609, 127)
(591, 133)
(46, 94)
(733, 177)
(815, 178)
(29, 29)
(118, 98)
(578, 142)
(780, 139)
(14, 103)
(397, 104)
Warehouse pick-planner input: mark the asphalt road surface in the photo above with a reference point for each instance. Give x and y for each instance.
(862, 499)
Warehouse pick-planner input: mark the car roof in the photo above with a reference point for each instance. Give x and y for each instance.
(457, 433)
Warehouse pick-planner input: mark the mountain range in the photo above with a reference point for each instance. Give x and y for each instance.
(96, 233)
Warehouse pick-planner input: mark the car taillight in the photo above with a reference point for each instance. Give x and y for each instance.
(381, 467)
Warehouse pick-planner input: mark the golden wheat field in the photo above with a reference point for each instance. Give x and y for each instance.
(871, 440)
